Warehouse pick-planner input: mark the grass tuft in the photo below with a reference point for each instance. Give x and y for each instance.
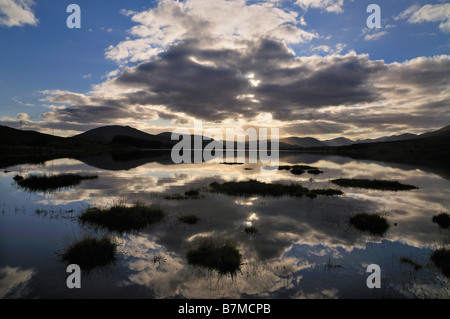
(90, 252)
(297, 171)
(189, 219)
(253, 187)
(373, 184)
(443, 220)
(441, 258)
(374, 224)
(223, 257)
(18, 178)
(47, 183)
(409, 261)
(192, 192)
(327, 192)
(251, 230)
(122, 218)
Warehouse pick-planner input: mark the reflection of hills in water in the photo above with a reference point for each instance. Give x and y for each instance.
(127, 161)
(298, 238)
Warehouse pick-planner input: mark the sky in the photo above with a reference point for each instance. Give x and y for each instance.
(309, 68)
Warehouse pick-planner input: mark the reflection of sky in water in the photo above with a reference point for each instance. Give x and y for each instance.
(287, 258)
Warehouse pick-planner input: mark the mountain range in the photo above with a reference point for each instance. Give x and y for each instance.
(124, 144)
(133, 137)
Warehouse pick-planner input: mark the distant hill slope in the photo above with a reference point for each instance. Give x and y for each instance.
(106, 134)
(20, 146)
(445, 131)
(432, 151)
(302, 141)
(126, 135)
(340, 141)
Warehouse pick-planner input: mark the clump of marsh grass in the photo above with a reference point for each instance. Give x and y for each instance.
(18, 178)
(441, 259)
(90, 252)
(373, 184)
(192, 193)
(297, 171)
(443, 220)
(175, 197)
(48, 183)
(329, 265)
(254, 187)
(327, 192)
(214, 254)
(251, 230)
(373, 223)
(123, 218)
(315, 171)
(409, 261)
(189, 219)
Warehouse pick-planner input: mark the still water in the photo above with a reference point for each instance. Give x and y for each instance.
(304, 248)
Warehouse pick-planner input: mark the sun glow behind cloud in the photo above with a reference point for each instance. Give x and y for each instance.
(238, 63)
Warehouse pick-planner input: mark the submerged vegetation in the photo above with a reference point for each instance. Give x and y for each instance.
(123, 218)
(213, 254)
(189, 219)
(326, 192)
(192, 193)
(373, 184)
(90, 252)
(373, 223)
(443, 220)
(315, 171)
(441, 259)
(254, 187)
(251, 230)
(297, 169)
(409, 261)
(46, 183)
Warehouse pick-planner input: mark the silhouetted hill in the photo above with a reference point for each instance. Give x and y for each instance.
(445, 131)
(302, 142)
(106, 134)
(20, 146)
(340, 141)
(431, 151)
(126, 135)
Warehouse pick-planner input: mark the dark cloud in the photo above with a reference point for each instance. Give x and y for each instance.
(207, 84)
(265, 76)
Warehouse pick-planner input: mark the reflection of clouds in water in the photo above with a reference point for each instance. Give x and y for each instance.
(436, 287)
(11, 278)
(324, 294)
(168, 275)
(273, 262)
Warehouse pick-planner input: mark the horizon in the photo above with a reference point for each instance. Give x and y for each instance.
(313, 69)
(280, 138)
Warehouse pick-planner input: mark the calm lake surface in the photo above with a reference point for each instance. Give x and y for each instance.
(305, 248)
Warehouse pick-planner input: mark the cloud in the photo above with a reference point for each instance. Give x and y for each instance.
(228, 21)
(15, 99)
(428, 13)
(375, 36)
(339, 47)
(328, 5)
(231, 63)
(188, 82)
(17, 13)
(11, 278)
